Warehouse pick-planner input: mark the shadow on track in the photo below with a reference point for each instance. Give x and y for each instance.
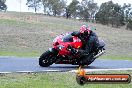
(73, 67)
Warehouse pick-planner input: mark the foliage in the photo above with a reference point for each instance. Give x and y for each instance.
(84, 10)
(129, 25)
(110, 13)
(87, 9)
(35, 4)
(127, 11)
(3, 6)
(54, 6)
(128, 15)
(45, 5)
(72, 9)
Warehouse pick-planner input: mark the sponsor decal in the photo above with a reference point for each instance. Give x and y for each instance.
(83, 78)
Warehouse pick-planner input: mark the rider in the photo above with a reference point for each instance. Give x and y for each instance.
(89, 40)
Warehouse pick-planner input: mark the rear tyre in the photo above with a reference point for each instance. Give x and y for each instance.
(46, 59)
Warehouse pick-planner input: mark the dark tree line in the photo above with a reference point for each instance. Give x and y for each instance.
(72, 9)
(50, 7)
(108, 13)
(3, 6)
(35, 4)
(128, 15)
(85, 9)
(114, 14)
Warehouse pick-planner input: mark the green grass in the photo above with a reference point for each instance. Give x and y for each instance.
(28, 23)
(52, 80)
(116, 57)
(29, 38)
(7, 21)
(23, 37)
(15, 22)
(20, 54)
(37, 54)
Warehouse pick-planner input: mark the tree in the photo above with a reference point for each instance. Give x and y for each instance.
(87, 9)
(110, 13)
(57, 6)
(127, 15)
(3, 6)
(35, 4)
(54, 6)
(45, 5)
(129, 24)
(72, 9)
(127, 11)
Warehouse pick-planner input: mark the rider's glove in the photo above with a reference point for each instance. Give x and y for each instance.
(73, 50)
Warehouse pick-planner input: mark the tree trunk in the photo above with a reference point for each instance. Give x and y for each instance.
(35, 9)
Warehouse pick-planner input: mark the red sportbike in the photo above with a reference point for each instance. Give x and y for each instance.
(61, 52)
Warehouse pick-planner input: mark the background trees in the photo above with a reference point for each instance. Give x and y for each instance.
(114, 14)
(110, 13)
(87, 9)
(72, 9)
(34, 4)
(56, 6)
(128, 15)
(84, 10)
(127, 11)
(3, 6)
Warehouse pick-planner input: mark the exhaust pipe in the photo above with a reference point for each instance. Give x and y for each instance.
(99, 54)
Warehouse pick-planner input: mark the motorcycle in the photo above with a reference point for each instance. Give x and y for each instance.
(62, 52)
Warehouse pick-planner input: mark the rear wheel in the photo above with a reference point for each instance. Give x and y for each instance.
(46, 59)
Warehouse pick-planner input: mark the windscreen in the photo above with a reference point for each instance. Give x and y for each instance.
(67, 38)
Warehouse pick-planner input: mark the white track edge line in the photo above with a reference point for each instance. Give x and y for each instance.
(90, 70)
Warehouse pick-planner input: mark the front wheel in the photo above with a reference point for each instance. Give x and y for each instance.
(46, 59)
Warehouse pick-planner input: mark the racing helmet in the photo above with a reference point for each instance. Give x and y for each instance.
(85, 30)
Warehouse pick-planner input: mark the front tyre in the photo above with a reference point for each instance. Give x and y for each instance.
(46, 59)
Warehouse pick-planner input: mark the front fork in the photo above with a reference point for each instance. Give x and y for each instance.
(53, 50)
(54, 53)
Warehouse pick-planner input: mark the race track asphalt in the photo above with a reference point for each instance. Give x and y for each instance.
(16, 64)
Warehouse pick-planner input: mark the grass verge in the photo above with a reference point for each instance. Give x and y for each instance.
(53, 80)
(28, 35)
(37, 54)
(117, 57)
(20, 54)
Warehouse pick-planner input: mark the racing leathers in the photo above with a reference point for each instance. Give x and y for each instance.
(89, 42)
